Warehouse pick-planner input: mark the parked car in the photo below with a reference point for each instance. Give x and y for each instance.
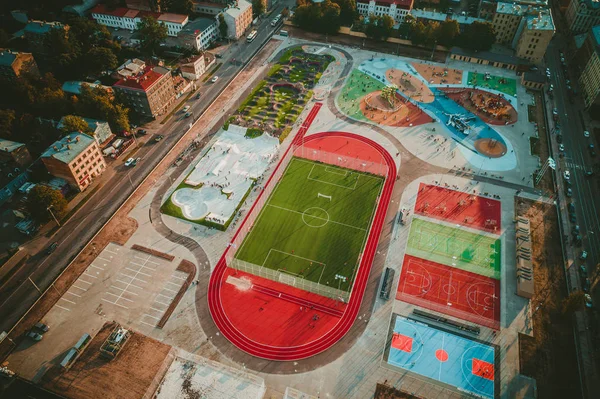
(567, 175)
(132, 162)
(142, 132)
(561, 147)
(214, 79)
(577, 240)
(583, 255)
(41, 327)
(571, 207)
(576, 229)
(159, 138)
(586, 133)
(573, 218)
(583, 271)
(198, 96)
(559, 138)
(186, 108)
(588, 301)
(34, 336)
(589, 173)
(51, 248)
(569, 192)
(586, 285)
(188, 114)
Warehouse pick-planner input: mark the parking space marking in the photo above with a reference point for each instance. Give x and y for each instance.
(111, 252)
(154, 317)
(179, 278)
(175, 284)
(168, 297)
(114, 303)
(97, 267)
(131, 285)
(69, 292)
(138, 272)
(148, 324)
(162, 303)
(89, 275)
(83, 281)
(121, 289)
(58, 306)
(79, 288)
(145, 267)
(66, 300)
(167, 289)
(158, 310)
(106, 260)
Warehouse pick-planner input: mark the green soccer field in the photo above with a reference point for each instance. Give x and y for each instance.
(477, 253)
(302, 232)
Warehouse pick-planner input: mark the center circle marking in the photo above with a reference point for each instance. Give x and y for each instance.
(441, 355)
(315, 217)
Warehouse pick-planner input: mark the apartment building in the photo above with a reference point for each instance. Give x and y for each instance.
(126, 18)
(526, 28)
(75, 158)
(208, 8)
(101, 131)
(148, 92)
(581, 15)
(434, 16)
(13, 64)
(194, 67)
(238, 18)
(199, 34)
(12, 152)
(589, 59)
(397, 9)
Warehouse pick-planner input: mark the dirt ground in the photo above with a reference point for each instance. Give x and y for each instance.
(549, 356)
(474, 100)
(438, 75)
(129, 375)
(410, 85)
(407, 115)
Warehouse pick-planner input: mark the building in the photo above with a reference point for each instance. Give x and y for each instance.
(143, 5)
(526, 28)
(125, 18)
(74, 86)
(202, 7)
(148, 92)
(238, 18)
(533, 80)
(14, 152)
(130, 67)
(589, 61)
(397, 9)
(82, 8)
(581, 15)
(35, 32)
(100, 129)
(13, 64)
(434, 16)
(194, 67)
(488, 58)
(75, 158)
(199, 34)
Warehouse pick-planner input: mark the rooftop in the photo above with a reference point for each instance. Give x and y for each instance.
(69, 147)
(401, 3)
(488, 55)
(242, 6)
(534, 77)
(198, 25)
(9, 146)
(143, 80)
(74, 87)
(175, 18)
(541, 20)
(131, 13)
(42, 27)
(441, 16)
(191, 60)
(596, 34)
(7, 57)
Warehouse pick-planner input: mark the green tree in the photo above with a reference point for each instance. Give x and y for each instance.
(347, 11)
(7, 118)
(119, 118)
(63, 53)
(222, 26)
(41, 198)
(405, 29)
(447, 33)
(478, 36)
(152, 33)
(177, 6)
(330, 22)
(99, 59)
(258, 8)
(97, 103)
(74, 123)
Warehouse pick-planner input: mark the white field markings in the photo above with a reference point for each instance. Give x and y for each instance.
(316, 217)
(127, 287)
(295, 256)
(162, 301)
(330, 183)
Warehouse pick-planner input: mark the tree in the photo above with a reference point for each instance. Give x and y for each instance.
(100, 59)
(478, 36)
(4, 38)
(97, 103)
(447, 33)
(347, 11)
(330, 22)
(7, 118)
(41, 198)
(222, 26)
(177, 6)
(152, 34)
(258, 8)
(405, 29)
(74, 123)
(573, 302)
(285, 12)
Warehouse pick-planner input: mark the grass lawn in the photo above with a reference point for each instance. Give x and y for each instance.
(509, 86)
(477, 253)
(352, 92)
(301, 233)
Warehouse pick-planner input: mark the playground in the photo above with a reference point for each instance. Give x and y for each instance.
(463, 363)
(411, 86)
(488, 81)
(493, 109)
(438, 75)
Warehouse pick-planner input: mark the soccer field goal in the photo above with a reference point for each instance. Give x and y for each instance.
(319, 195)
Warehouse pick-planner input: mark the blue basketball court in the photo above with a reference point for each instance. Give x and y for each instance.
(463, 363)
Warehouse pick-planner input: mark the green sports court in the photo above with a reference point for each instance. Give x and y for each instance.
(455, 246)
(315, 223)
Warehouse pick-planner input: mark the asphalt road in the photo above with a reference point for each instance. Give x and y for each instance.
(577, 158)
(19, 293)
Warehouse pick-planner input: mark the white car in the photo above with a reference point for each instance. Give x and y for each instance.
(567, 175)
(561, 147)
(214, 79)
(583, 255)
(186, 108)
(555, 111)
(586, 133)
(131, 162)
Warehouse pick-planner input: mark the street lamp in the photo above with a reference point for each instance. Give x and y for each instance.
(54, 217)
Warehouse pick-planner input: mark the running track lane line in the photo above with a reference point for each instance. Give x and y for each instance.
(298, 301)
(346, 322)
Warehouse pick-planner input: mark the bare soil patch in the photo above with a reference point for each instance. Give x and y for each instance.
(410, 85)
(438, 75)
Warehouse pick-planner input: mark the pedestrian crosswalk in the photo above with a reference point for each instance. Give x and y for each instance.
(572, 165)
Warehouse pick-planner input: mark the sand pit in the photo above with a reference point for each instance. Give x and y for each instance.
(437, 75)
(402, 114)
(410, 85)
(493, 109)
(490, 147)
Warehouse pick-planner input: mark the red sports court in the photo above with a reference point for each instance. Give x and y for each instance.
(469, 210)
(458, 293)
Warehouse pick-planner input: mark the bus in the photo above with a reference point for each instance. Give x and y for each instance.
(251, 36)
(275, 21)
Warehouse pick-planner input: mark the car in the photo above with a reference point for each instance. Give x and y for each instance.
(576, 229)
(571, 207)
(588, 301)
(159, 138)
(188, 114)
(555, 111)
(569, 192)
(34, 336)
(218, 56)
(586, 285)
(130, 162)
(51, 248)
(41, 327)
(589, 173)
(569, 87)
(583, 271)
(583, 255)
(567, 175)
(198, 96)
(551, 87)
(548, 71)
(186, 108)
(559, 138)
(586, 133)
(577, 240)
(142, 132)
(214, 79)
(568, 81)
(561, 147)
(533, 68)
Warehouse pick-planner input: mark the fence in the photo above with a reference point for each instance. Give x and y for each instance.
(377, 167)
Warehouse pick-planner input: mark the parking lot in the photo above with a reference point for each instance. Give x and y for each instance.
(122, 284)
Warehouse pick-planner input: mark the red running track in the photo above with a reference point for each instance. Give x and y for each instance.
(474, 212)
(458, 293)
(343, 325)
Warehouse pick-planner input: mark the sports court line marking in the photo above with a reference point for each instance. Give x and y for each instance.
(335, 172)
(296, 256)
(69, 292)
(114, 303)
(332, 184)
(66, 300)
(316, 217)
(138, 272)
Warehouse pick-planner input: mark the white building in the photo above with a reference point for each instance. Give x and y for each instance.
(581, 15)
(125, 18)
(238, 19)
(397, 9)
(199, 34)
(194, 67)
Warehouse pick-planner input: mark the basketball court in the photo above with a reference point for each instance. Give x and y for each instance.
(465, 364)
(451, 291)
(454, 206)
